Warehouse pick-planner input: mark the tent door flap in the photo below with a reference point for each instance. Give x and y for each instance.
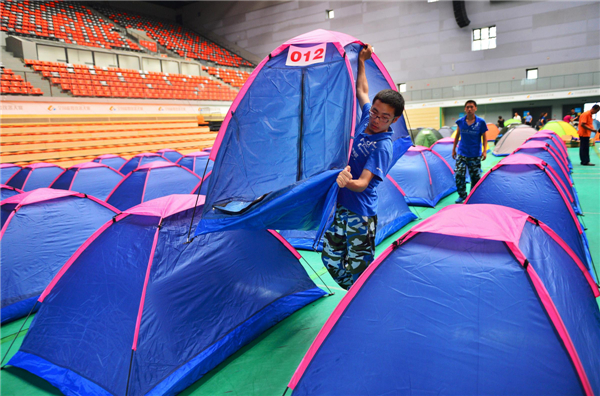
(238, 207)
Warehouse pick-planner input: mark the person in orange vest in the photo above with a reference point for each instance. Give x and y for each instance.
(586, 127)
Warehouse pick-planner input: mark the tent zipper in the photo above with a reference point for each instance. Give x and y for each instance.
(300, 133)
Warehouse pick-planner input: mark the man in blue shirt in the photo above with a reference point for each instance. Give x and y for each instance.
(471, 132)
(349, 246)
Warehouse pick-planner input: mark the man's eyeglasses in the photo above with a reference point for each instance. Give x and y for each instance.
(384, 119)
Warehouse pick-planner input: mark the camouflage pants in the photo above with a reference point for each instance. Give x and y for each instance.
(460, 173)
(349, 246)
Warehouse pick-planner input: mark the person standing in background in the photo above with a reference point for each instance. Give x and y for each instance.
(528, 119)
(500, 122)
(586, 127)
(517, 117)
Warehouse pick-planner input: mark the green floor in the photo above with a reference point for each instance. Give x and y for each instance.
(265, 366)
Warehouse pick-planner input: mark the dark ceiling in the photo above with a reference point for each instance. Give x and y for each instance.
(175, 5)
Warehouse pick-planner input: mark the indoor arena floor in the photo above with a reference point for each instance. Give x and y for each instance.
(264, 367)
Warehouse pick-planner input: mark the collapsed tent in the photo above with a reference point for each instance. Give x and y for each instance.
(150, 181)
(393, 213)
(426, 137)
(40, 231)
(139, 160)
(170, 154)
(446, 131)
(444, 148)
(8, 191)
(475, 299)
(528, 184)
(198, 162)
(34, 176)
(90, 178)
(137, 310)
(7, 170)
(287, 136)
(562, 129)
(511, 139)
(112, 160)
(424, 176)
(492, 132)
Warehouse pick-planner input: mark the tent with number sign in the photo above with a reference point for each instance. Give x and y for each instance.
(139, 310)
(288, 134)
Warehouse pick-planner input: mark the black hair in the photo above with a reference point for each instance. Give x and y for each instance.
(596, 106)
(470, 101)
(392, 98)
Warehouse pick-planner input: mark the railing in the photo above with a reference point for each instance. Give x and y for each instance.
(570, 81)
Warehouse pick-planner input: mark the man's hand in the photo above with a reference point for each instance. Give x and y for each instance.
(366, 52)
(344, 177)
(453, 153)
(484, 156)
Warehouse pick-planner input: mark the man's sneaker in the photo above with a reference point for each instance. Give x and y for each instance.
(460, 199)
(589, 164)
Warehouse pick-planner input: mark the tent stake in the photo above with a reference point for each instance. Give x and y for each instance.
(197, 197)
(18, 332)
(285, 391)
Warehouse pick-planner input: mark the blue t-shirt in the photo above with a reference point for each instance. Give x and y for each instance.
(372, 152)
(470, 136)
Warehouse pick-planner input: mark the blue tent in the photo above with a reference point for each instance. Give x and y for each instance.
(528, 184)
(34, 176)
(203, 186)
(139, 311)
(150, 181)
(90, 178)
(112, 160)
(8, 191)
(424, 176)
(393, 214)
(170, 154)
(547, 154)
(477, 299)
(40, 230)
(555, 142)
(7, 170)
(287, 135)
(197, 162)
(444, 148)
(139, 160)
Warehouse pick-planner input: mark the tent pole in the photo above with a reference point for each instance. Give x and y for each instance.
(129, 374)
(409, 127)
(18, 332)
(285, 391)
(197, 197)
(331, 293)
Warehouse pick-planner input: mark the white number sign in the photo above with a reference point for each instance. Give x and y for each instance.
(298, 56)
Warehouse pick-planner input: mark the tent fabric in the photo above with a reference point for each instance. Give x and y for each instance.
(526, 183)
(484, 296)
(513, 138)
(7, 170)
(152, 180)
(96, 179)
(511, 121)
(40, 230)
(424, 176)
(393, 214)
(139, 160)
(177, 309)
(32, 176)
(8, 191)
(170, 154)
(112, 160)
(553, 142)
(287, 135)
(202, 187)
(444, 148)
(492, 132)
(446, 131)
(563, 129)
(426, 137)
(197, 162)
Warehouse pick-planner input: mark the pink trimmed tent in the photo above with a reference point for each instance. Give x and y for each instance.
(40, 230)
(34, 176)
(198, 162)
(424, 176)
(7, 170)
(150, 181)
(288, 134)
(8, 191)
(112, 160)
(170, 154)
(475, 299)
(92, 178)
(140, 159)
(137, 310)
